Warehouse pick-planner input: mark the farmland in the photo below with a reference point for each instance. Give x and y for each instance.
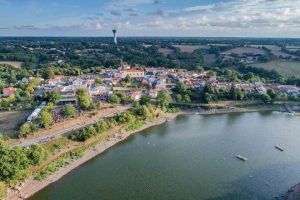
(190, 48)
(286, 69)
(10, 121)
(12, 63)
(245, 50)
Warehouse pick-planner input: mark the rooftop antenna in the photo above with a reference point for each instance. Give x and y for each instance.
(115, 36)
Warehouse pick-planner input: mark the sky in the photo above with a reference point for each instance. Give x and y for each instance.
(186, 18)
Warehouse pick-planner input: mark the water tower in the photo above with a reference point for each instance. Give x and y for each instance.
(115, 35)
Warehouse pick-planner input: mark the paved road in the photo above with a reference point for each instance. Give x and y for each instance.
(49, 137)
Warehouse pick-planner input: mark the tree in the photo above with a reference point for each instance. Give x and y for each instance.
(114, 99)
(68, 110)
(52, 96)
(187, 98)
(25, 129)
(144, 111)
(164, 98)
(45, 119)
(98, 80)
(178, 98)
(36, 154)
(266, 99)
(84, 99)
(49, 107)
(233, 92)
(49, 73)
(145, 99)
(180, 88)
(271, 93)
(99, 105)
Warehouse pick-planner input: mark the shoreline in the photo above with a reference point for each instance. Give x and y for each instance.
(31, 186)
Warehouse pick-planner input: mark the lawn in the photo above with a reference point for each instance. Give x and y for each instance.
(10, 121)
(285, 68)
(12, 63)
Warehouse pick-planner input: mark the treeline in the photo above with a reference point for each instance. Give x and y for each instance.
(130, 117)
(16, 162)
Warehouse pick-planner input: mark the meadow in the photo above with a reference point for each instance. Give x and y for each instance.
(285, 68)
(15, 64)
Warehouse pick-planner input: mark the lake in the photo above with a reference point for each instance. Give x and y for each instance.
(192, 157)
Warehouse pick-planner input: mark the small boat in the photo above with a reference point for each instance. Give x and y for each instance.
(241, 157)
(279, 148)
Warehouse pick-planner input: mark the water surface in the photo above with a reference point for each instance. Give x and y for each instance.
(192, 157)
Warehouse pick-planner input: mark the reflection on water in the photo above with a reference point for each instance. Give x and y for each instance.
(193, 157)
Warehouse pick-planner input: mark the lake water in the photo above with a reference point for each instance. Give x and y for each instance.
(192, 157)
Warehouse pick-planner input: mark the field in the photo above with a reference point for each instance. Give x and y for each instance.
(282, 54)
(286, 69)
(271, 47)
(245, 50)
(12, 63)
(10, 121)
(293, 48)
(190, 48)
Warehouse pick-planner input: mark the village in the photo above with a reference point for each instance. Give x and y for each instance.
(147, 81)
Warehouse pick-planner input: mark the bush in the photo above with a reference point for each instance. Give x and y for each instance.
(68, 110)
(135, 125)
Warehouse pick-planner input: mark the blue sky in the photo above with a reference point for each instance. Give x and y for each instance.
(247, 18)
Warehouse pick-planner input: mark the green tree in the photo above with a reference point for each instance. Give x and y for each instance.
(145, 99)
(99, 105)
(164, 98)
(84, 99)
(144, 111)
(25, 129)
(98, 80)
(266, 99)
(68, 110)
(187, 98)
(52, 96)
(178, 98)
(36, 154)
(180, 88)
(233, 92)
(45, 119)
(114, 99)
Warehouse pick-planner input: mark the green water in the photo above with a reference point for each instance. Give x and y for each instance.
(192, 157)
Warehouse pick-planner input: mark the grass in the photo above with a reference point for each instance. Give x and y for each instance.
(190, 48)
(133, 126)
(57, 145)
(15, 64)
(286, 69)
(10, 121)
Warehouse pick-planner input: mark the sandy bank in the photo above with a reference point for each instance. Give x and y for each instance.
(31, 186)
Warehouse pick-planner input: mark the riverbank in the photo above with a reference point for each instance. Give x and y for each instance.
(31, 186)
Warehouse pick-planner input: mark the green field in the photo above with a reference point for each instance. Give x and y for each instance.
(286, 69)
(10, 121)
(15, 64)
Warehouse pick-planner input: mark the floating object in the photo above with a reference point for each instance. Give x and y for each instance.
(241, 157)
(279, 148)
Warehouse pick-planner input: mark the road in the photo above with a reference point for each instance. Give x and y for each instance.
(49, 137)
